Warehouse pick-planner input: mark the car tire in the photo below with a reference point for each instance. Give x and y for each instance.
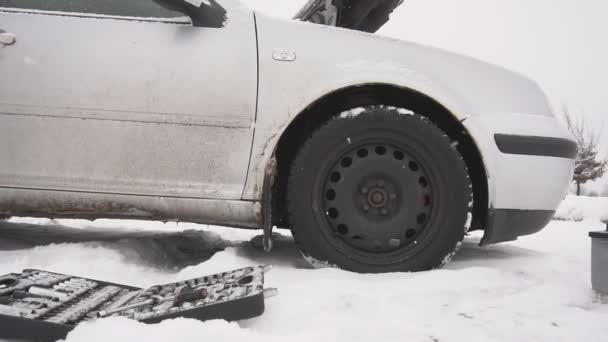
(379, 189)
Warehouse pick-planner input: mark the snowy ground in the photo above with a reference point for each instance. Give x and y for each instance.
(581, 208)
(535, 289)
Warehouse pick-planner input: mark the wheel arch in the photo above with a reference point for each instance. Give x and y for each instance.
(326, 107)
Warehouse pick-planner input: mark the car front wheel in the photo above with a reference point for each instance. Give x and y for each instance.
(379, 189)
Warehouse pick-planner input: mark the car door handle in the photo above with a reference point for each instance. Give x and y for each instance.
(7, 38)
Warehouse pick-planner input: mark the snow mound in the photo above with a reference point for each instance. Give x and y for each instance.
(157, 248)
(122, 329)
(581, 208)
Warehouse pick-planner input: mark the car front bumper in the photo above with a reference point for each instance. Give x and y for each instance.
(529, 162)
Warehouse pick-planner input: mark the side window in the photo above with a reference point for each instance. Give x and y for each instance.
(127, 8)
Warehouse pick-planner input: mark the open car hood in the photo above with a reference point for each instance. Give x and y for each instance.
(360, 15)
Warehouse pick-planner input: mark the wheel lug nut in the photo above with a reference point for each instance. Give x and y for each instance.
(364, 190)
(384, 212)
(380, 183)
(366, 207)
(392, 196)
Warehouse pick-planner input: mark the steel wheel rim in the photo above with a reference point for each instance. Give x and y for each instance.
(377, 200)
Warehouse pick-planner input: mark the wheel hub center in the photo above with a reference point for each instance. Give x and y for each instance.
(377, 198)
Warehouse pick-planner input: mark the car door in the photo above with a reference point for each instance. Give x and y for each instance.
(126, 97)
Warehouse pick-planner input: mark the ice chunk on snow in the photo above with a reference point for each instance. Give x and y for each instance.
(198, 3)
(401, 111)
(467, 225)
(352, 113)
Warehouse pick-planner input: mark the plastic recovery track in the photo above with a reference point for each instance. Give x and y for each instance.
(44, 306)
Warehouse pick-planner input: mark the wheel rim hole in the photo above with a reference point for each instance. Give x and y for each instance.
(343, 229)
(332, 213)
(421, 218)
(346, 162)
(423, 182)
(330, 195)
(380, 150)
(357, 237)
(335, 177)
(398, 155)
(413, 166)
(362, 153)
(426, 200)
(410, 233)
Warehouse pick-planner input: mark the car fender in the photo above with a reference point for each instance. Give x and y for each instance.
(300, 64)
(296, 70)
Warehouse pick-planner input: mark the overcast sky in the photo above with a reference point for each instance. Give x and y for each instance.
(562, 44)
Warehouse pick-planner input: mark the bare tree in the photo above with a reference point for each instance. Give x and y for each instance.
(588, 166)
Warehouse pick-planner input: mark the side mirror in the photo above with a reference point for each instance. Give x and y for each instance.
(201, 14)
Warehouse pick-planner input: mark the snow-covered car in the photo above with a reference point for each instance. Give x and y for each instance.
(378, 154)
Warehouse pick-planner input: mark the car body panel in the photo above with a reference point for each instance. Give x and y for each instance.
(329, 59)
(94, 205)
(523, 182)
(183, 149)
(98, 104)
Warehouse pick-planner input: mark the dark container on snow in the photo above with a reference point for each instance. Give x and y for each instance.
(599, 260)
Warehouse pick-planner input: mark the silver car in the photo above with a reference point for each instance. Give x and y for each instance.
(378, 154)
